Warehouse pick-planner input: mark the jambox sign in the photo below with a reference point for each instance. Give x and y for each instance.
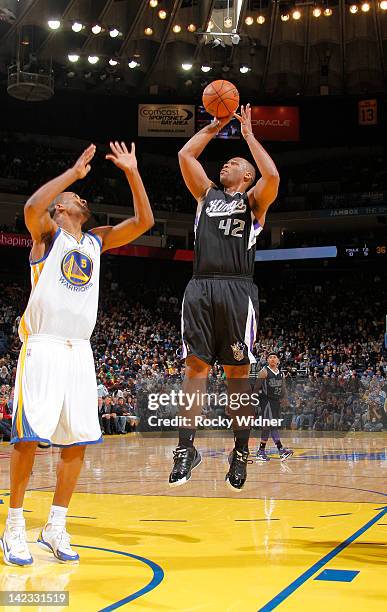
(166, 120)
(276, 122)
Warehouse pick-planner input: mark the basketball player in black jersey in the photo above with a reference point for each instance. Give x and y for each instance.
(220, 305)
(273, 385)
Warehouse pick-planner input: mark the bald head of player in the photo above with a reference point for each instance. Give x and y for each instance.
(237, 174)
(71, 205)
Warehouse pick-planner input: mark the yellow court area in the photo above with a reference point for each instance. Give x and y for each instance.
(308, 533)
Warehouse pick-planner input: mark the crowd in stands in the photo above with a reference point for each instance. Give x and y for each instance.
(320, 183)
(328, 335)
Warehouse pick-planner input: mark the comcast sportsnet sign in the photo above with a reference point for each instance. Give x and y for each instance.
(276, 122)
(166, 120)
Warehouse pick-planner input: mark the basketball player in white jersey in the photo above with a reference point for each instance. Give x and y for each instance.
(56, 390)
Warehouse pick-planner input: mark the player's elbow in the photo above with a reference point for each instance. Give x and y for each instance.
(184, 154)
(273, 178)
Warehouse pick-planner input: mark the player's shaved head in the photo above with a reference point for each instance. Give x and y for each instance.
(249, 168)
(69, 199)
(237, 172)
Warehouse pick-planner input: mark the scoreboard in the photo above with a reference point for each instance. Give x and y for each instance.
(364, 251)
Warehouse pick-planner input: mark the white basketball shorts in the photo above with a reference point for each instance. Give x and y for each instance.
(56, 393)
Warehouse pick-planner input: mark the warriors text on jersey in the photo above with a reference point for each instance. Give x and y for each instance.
(225, 235)
(65, 285)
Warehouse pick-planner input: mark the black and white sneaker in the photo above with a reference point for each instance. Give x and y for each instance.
(285, 453)
(185, 460)
(237, 474)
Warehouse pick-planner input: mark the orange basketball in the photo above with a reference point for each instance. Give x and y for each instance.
(220, 98)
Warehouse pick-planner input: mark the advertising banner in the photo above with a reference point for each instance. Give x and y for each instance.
(276, 122)
(166, 120)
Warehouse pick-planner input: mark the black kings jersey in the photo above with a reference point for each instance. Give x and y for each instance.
(273, 385)
(225, 235)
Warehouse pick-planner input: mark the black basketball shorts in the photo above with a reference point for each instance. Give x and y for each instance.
(270, 409)
(219, 320)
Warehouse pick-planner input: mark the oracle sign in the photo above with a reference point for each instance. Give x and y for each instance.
(276, 122)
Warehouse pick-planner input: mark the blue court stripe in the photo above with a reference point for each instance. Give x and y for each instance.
(332, 575)
(293, 586)
(158, 575)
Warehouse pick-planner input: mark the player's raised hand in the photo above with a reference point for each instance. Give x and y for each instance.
(245, 120)
(121, 157)
(218, 124)
(82, 165)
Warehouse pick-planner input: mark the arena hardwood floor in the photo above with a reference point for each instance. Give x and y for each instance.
(308, 532)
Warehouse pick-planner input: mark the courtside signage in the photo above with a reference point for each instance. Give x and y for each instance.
(166, 120)
(276, 122)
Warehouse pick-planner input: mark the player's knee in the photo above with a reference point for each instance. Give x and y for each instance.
(26, 447)
(241, 371)
(196, 368)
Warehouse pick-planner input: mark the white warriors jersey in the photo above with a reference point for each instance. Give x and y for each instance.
(65, 286)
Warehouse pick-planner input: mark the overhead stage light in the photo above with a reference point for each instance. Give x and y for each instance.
(77, 26)
(53, 24)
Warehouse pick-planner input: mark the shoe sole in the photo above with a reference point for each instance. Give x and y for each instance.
(185, 479)
(262, 460)
(229, 486)
(48, 548)
(228, 483)
(7, 562)
(287, 457)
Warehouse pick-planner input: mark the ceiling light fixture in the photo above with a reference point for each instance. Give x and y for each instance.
(261, 19)
(316, 12)
(113, 62)
(148, 31)
(328, 12)
(113, 32)
(365, 7)
(73, 57)
(77, 26)
(53, 24)
(176, 28)
(191, 27)
(96, 29)
(186, 66)
(93, 59)
(244, 69)
(162, 14)
(296, 14)
(206, 68)
(353, 9)
(249, 20)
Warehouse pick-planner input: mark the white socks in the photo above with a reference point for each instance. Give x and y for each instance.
(57, 516)
(15, 516)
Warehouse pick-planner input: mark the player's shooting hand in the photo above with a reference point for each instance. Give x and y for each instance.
(121, 157)
(218, 124)
(245, 120)
(82, 165)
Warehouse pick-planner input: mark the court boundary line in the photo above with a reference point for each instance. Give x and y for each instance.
(293, 586)
(158, 576)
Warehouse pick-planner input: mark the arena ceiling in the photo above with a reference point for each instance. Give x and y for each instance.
(334, 52)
